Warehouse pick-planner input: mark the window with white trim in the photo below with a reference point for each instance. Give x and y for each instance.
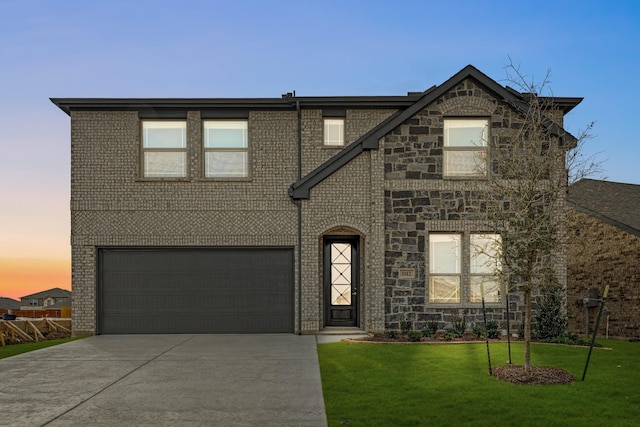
(164, 149)
(465, 147)
(334, 132)
(445, 268)
(226, 149)
(454, 279)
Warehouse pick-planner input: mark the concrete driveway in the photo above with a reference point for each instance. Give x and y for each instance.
(161, 380)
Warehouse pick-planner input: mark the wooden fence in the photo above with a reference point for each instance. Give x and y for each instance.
(39, 314)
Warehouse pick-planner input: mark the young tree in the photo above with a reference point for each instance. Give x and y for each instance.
(529, 160)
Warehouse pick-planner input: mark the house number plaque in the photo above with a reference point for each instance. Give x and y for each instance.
(407, 273)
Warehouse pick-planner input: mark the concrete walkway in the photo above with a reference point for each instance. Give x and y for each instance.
(162, 380)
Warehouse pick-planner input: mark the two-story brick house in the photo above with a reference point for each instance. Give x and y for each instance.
(288, 214)
(50, 298)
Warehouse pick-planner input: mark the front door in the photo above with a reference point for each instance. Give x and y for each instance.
(341, 280)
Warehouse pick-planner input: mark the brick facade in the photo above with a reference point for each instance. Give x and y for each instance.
(600, 254)
(113, 206)
(391, 194)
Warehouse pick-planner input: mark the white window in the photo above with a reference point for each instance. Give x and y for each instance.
(226, 149)
(334, 132)
(465, 147)
(164, 148)
(484, 264)
(451, 280)
(445, 268)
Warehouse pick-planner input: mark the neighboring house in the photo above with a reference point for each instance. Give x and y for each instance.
(289, 214)
(46, 299)
(604, 249)
(9, 304)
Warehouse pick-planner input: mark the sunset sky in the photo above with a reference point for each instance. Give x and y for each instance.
(125, 48)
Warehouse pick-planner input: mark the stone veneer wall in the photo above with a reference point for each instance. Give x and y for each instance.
(410, 216)
(418, 201)
(600, 254)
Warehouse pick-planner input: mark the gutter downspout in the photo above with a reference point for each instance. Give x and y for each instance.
(299, 218)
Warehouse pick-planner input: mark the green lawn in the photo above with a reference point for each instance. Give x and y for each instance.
(14, 349)
(449, 385)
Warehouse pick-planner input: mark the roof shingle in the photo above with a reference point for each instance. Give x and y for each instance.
(615, 203)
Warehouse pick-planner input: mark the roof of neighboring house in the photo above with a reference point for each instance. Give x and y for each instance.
(9, 304)
(614, 203)
(55, 293)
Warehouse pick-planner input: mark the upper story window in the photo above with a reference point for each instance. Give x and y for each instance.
(465, 147)
(226, 149)
(452, 279)
(334, 132)
(164, 148)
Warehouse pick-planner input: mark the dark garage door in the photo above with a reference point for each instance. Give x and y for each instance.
(213, 290)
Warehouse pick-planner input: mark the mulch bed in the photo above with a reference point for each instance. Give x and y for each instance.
(539, 375)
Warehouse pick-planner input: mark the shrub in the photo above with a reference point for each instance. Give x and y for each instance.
(551, 318)
(405, 326)
(570, 339)
(493, 330)
(449, 334)
(478, 331)
(391, 334)
(521, 330)
(414, 336)
(459, 326)
(430, 329)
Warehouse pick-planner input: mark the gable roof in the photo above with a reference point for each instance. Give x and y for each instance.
(370, 140)
(614, 203)
(9, 304)
(54, 292)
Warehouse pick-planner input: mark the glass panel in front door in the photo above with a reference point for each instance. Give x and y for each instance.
(341, 279)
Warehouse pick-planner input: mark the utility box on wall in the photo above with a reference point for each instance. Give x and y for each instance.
(593, 299)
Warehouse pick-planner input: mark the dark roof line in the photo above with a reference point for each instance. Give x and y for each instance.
(607, 220)
(285, 103)
(54, 292)
(370, 141)
(614, 203)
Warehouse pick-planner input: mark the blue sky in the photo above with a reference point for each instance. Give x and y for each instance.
(265, 48)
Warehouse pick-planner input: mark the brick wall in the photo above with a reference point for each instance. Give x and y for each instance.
(392, 197)
(348, 202)
(112, 205)
(600, 254)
